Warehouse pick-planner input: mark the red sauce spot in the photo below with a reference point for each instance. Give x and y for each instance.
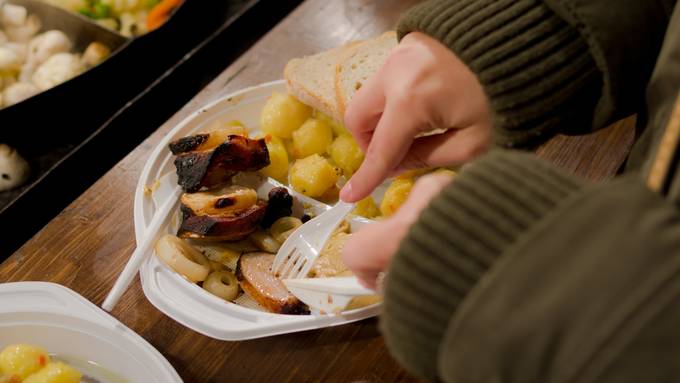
(41, 360)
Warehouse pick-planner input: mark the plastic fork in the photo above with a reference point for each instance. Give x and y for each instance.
(328, 295)
(298, 253)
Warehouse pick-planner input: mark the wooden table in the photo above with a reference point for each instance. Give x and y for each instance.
(87, 245)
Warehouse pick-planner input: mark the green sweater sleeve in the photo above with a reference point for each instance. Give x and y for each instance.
(534, 67)
(502, 280)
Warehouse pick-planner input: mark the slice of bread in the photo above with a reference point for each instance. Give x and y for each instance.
(310, 79)
(359, 63)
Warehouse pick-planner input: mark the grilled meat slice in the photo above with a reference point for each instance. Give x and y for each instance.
(231, 227)
(279, 204)
(256, 279)
(208, 169)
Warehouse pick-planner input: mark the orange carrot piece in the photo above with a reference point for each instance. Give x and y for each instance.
(161, 13)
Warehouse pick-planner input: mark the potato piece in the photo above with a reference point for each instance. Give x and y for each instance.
(346, 154)
(23, 360)
(282, 114)
(338, 128)
(55, 372)
(367, 208)
(278, 159)
(313, 137)
(395, 195)
(313, 175)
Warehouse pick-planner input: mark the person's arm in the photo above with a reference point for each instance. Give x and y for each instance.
(518, 272)
(553, 66)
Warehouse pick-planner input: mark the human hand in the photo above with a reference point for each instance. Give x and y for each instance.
(369, 251)
(421, 87)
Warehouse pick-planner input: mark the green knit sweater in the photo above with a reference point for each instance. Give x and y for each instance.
(518, 272)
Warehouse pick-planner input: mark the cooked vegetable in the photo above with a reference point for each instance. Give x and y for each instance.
(14, 170)
(283, 114)
(256, 279)
(283, 227)
(222, 284)
(227, 201)
(338, 128)
(367, 208)
(182, 258)
(313, 176)
(18, 92)
(313, 137)
(264, 241)
(226, 254)
(221, 228)
(208, 169)
(47, 44)
(55, 372)
(329, 263)
(395, 195)
(161, 13)
(346, 154)
(278, 157)
(57, 69)
(22, 360)
(10, 61)
(95, 54)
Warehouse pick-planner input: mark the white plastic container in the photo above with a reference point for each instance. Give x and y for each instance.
(68, 325)
(188, 303)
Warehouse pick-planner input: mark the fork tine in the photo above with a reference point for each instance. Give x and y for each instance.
(280, 263)
(289, 266)
(297, 271)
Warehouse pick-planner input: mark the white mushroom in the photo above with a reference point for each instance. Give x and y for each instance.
(47, 44)
(95, 54)
(20, 49)
(3, 37)
(13, 15)
(18, 92)
(25, 32)
(10, 62)
(56, 70)
(14, 169)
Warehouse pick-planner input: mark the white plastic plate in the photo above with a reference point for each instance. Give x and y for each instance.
(188, 303)
(68, 325)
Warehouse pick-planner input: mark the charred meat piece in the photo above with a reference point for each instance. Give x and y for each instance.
(280, 204)
(256, 279)
(232, 227)
(187, 144)
(208, 169)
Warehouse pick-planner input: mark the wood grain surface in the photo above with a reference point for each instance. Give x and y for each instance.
(87, 245)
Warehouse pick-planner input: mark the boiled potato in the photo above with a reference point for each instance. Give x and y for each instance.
(278, 159)
(55, 372)
(346, 154)
(313, 176)
(313, 137)
(22, 360)
(283, 114)
(338, 128)
(395, 195)
(367, 208)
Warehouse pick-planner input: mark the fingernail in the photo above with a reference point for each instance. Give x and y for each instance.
(346, 192)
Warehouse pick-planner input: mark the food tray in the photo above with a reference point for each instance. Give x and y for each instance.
(188, 303)
(67, 324)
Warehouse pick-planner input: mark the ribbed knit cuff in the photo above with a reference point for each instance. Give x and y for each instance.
(455, 241)
(534, 67)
